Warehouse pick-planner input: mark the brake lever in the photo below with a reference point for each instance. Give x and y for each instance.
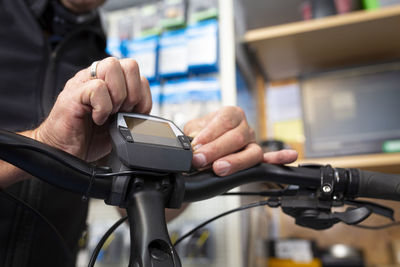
(353, 215)
(375, 208)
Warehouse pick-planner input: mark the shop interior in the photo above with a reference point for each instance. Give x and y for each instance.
(318, 76)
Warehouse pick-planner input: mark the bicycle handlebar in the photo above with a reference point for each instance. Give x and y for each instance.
(49, 164)
(68, 172)
(379, 185)
(150, 193)
(206, 184)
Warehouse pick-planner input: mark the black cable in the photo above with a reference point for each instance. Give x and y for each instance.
(265, 193)
(101, 175)
(243, 194)
(28, 207)
(103, 240)
(251, 205)
(377, 227)
(85, 197)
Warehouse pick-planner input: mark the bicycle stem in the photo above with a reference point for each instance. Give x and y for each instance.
(150, 242)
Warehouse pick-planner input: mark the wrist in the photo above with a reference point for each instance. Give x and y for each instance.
(30, 133)
(9, 174)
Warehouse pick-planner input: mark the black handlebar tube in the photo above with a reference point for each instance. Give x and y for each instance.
(379, 185)
(52, 165)
(68, 172)
(206, 184)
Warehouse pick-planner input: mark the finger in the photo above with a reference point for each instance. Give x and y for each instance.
(226, 119)
(193, 127)
(96, 95)
(145, 104)
(110, 71)
(244, 159)
(228, 143)
(134, 84)
(280, 157)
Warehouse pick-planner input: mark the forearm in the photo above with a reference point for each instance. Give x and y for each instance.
(10, 174)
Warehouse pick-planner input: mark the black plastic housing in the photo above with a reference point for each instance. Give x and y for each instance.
(149, 156)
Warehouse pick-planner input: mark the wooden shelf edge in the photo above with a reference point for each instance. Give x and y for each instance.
(378, 162)
(320, 24)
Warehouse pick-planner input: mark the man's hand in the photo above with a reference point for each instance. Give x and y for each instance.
(224, 140)
(77, 122)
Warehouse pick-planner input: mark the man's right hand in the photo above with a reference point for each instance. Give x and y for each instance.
(77, 123)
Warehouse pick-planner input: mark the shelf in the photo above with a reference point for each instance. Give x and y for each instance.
(289, 50)
(389, 163)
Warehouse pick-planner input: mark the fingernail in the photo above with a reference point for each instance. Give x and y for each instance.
(222, 167)
(199, 160)
(196, 147)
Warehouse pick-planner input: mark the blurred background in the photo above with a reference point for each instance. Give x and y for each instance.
(318, 76)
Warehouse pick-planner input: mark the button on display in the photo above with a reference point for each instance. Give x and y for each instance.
(184, 141)
(126, 134)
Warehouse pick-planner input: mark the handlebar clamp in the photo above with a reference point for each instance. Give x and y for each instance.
(327, 182)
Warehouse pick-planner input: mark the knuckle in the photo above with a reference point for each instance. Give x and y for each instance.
(105, 107)
(232, 116)
(227, 120)
(239, 139)
(257, 151)
(235, 111)
(70, 84)
(112, 61)
(132, 66)
(240, 112)
(99, 84)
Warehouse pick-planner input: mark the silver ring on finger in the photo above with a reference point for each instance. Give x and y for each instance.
(93, 70)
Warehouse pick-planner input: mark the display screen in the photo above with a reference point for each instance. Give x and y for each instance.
(152, 132)
(149, 127)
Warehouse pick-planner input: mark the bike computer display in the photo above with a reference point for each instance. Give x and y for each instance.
(149, 142)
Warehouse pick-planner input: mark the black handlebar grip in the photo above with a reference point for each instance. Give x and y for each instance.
(51, 165)
(379, 185)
